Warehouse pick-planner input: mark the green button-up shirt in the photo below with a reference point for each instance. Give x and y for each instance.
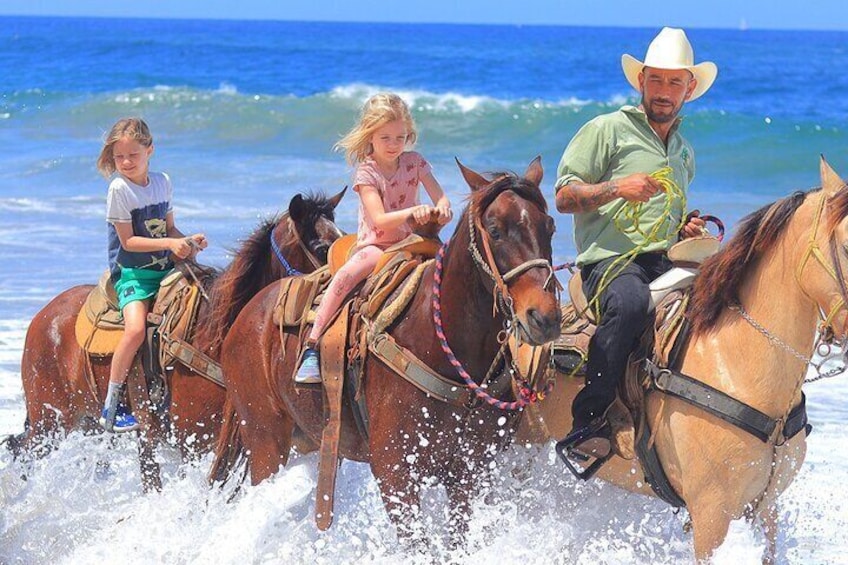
(612, 146)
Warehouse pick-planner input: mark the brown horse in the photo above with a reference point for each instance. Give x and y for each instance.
(755, 306)
(60, 393)
(413, 437)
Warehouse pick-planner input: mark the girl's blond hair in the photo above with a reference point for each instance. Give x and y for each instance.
(379, 110)
(132, 128)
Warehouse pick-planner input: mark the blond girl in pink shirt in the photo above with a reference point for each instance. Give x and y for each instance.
(386, 179)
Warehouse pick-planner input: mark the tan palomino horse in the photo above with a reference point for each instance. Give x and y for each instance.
(782, 271)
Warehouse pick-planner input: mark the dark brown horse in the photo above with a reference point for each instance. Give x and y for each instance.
(60, 393)
(501, 250)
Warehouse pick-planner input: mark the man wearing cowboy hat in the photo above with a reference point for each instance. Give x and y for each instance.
(606, 165)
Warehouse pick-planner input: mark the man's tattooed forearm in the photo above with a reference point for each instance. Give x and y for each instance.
(584, 197)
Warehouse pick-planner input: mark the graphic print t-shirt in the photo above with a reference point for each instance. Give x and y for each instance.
(146, 208)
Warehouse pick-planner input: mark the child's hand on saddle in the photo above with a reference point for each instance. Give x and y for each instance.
(444, 214)
(431, 226)
(198, 243)
(422, 214)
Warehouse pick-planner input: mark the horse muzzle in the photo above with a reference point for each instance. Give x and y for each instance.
(538, 328)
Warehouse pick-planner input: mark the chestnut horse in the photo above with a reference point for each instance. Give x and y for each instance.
(413, 437)
(755, 307)
(58, 392)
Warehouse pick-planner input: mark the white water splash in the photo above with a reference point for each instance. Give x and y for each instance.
(83, 503)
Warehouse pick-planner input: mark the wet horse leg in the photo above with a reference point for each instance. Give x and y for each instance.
(148, 439)
(710, 524)
(151, 478)
(767, 515)
(459, 497)
(402, 500)
(268, 439)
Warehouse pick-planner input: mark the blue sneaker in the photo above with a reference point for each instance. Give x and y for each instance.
(124, 420)
(309, 371)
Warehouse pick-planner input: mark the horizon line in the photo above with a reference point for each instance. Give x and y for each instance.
(744, 26)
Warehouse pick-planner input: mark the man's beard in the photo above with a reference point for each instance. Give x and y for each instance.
(668, 116)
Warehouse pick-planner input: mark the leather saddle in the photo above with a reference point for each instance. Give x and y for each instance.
(570, 351)
(379, 301)
(661, 341)
(100, 324)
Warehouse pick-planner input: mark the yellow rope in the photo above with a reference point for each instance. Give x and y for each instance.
(627, 220)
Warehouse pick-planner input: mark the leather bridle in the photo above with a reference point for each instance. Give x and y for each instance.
(502, 299)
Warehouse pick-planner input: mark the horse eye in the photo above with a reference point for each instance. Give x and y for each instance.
(494, 233)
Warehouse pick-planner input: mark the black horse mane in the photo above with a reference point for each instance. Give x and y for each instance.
(503, 181)
(252, 268)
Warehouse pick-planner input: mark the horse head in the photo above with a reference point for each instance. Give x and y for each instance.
(314, 223)
(510, 236)
(822, 273)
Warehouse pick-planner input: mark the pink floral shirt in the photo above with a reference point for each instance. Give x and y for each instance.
(398, 192)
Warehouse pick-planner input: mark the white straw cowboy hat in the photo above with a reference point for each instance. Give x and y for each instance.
(671, 50)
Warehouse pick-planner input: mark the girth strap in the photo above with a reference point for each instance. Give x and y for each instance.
(723, 406)
(197, 361)
(415, 371)
(653, 470)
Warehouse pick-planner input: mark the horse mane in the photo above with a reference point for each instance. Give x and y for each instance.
(479, 200)
(253, 268)
(239, 282)
(717, 284)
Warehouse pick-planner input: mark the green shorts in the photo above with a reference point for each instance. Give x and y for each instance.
(137, 284)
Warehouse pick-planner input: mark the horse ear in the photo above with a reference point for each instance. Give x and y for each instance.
(475, 180)
(334, 201)
(534, 171)
(297, 208)
(831, 182)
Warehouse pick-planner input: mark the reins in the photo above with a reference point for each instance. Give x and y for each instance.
(627, 220)
(291, 271)
(503, 302)
(826, 334)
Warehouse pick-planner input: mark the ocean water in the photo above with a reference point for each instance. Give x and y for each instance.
(244, 115)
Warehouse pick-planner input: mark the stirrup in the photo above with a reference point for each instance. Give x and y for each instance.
(309, 368)
(568, 448)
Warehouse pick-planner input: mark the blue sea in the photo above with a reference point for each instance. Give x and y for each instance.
(244, 115)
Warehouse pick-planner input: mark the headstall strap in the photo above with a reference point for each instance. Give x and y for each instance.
(489, 266)
(832, 268)
(291, 271)
(309, 255)
(840, 279)
(502, 300)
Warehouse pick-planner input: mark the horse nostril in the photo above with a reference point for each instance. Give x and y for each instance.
(546, 326)
(321, 250)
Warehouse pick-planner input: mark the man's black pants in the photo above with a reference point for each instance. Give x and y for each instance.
(625, 312)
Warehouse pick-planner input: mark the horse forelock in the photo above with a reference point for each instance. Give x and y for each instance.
(318, 205)
(721, 276)
(480, 200)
